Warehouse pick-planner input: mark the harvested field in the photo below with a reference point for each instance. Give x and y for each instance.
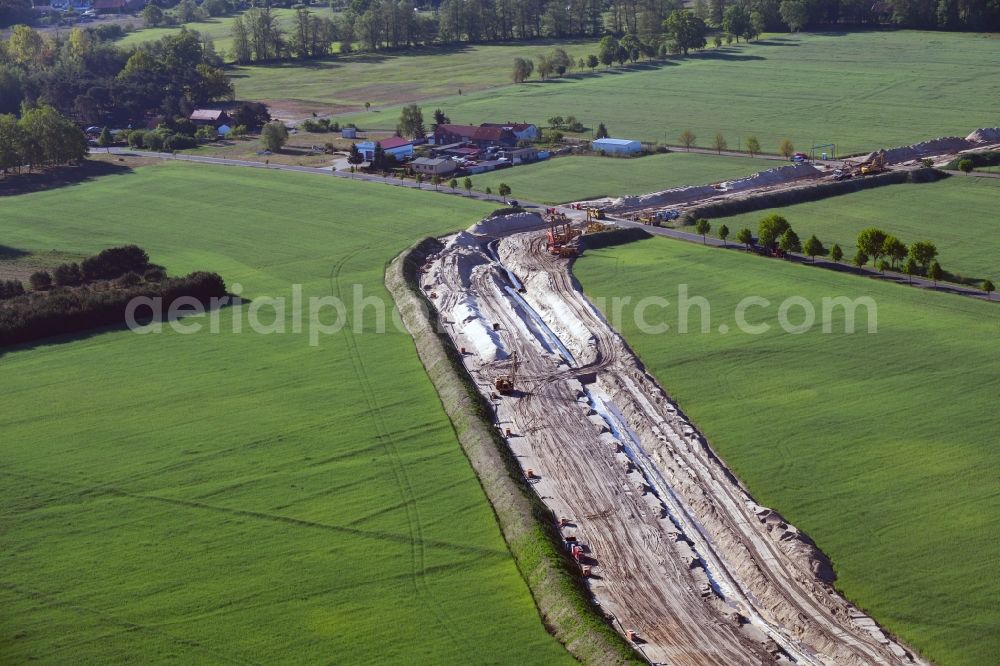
(212, 498)
(879, 447)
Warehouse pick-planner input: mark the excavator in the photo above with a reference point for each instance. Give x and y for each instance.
(561, 235)
(504, 384)
(873, 166)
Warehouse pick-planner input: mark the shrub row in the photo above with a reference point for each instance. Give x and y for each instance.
(979, 160)
(69, 310)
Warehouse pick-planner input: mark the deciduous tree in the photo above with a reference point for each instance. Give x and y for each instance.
(813, 247)
(703, 226)
(723, 234)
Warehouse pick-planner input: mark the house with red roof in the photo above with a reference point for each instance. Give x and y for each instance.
(479, 136)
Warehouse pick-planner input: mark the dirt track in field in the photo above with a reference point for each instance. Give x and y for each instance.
(678, 552)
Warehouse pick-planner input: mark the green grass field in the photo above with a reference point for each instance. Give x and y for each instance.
(880, 446)
(346, 83)
(243, 497)
(859, 90)
(219, 29)
(958, 214)
(566, 179)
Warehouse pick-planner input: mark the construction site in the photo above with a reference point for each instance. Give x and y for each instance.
(673, 550)
(660, 208)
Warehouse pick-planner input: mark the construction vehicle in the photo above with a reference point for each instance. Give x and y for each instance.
(873, 166)
(561, 236)
(596, 227)
(667, 215)
(504, 384)
(595, 214)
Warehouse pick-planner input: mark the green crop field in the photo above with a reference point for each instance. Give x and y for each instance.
(859, 90)
(346, 83)
(213, 498)
(880, 446)
(958, 214)
(566, 179)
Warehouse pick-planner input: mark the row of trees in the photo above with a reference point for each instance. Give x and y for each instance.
(94, 81)
(40, 137)
(641, 28)
(885, 251)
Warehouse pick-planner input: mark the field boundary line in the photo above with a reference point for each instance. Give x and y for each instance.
(527, 525)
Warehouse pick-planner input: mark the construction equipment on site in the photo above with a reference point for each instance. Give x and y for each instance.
(561, 235)
(596, 227)
(504, 384)
(595, 214)
(875, 165)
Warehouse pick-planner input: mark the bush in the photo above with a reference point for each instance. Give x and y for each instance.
(115, 261)
(207, 133)
(40, 280)
(154, 275)
(179, 142)
(153, 141)
(10, 289)
(67, 275)
(137, 139)
(239, 130)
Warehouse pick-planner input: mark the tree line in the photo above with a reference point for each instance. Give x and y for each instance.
(639, 27)
(40, 137)
(95, 292)
(884, 250)
(93, 81)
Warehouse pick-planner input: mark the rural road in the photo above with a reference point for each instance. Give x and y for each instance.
(677, 234)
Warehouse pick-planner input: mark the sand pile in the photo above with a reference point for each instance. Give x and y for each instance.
(985, 135)
(940, 146)
(776, 176)
(505, 224)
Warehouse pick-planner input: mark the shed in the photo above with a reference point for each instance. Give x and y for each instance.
(618, 146)
(349, 133)
(433, 166)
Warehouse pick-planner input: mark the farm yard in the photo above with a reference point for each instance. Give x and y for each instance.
(850, 89)
(205, 498)
(878, 446)
(958, 214)
(566, 179)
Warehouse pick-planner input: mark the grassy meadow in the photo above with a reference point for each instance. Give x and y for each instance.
(343, 84)
(882, 447)
(566, 179)
(859, 90)
(958, 214)
(212, 498)
(218, 29)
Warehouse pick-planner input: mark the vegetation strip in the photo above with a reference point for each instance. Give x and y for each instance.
(527, 525)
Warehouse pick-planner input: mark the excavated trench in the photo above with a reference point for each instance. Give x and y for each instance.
(675, 549)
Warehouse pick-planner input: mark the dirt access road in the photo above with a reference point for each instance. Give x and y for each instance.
(678, 551)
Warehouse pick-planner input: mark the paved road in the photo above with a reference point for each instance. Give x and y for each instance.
(677, 234)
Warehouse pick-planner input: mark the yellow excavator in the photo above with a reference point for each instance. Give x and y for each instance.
(504, 384)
